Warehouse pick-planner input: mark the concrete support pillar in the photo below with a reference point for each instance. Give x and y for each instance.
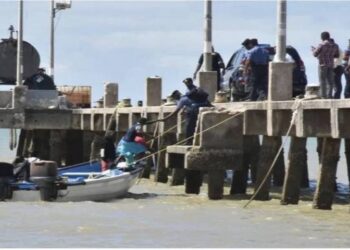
(96, 146)
(178, 171)
(177, 177)
(194, 180)
(297, 158)
(323, 197)
(208, 82)
(251, 148)
(279, 168)
(216, 184)
(40, 146)
(153, 91)
(74, 147)
(110, 99)
(280, 81)
(347, 156)
(19, 97)
(268, 151)
(304, 182)
(56, 146)
(88, 137)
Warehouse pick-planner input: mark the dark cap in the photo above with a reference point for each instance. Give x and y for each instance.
(187, 80)
(41, 69)
(254, 41)
(246, 42)
(175, 93)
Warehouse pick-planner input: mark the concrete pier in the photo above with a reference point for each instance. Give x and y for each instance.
(218, 144)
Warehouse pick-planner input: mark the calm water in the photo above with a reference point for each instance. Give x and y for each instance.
(156, 215)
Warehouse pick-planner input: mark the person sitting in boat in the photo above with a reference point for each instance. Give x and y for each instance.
(133, 142)
(108, 154)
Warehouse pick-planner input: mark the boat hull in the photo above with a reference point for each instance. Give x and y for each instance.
(95, 189)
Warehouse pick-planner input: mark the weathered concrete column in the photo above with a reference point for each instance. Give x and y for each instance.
(73, 147)
(216, 184)
(268, 151)
(193, 182)
(208, 82)
(251, 148)
(40, 146)
(297, 158)
(176, 163)
(56, 146)
(280, 81)
(304, 182)
(279, 168)
(153, 91)
(96, 146)
(323, 197)
(110, 99)
(347, 156)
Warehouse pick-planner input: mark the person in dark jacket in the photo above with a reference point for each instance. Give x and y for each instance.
(40, 81)
(217, 65)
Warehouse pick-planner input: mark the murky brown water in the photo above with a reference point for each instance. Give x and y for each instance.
(156, 215)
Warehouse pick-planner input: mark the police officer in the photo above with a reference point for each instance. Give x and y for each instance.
(191, 102)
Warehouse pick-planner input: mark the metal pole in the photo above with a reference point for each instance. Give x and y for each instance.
(19, 75)
(52, 38)
(207, 36)
(282, 31)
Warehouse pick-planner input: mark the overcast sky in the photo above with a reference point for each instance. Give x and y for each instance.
(128, 41)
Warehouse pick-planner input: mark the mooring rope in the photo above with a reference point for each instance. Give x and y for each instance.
(294, 115)
(188, 138)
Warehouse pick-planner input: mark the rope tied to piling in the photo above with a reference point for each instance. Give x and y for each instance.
(297, 105)
(194, 135)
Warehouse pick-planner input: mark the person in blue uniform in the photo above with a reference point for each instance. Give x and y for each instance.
(193, 99)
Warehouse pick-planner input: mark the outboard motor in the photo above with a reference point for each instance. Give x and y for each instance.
(44, 175)
(6, 177)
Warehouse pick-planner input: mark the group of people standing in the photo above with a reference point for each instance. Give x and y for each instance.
(332, 64)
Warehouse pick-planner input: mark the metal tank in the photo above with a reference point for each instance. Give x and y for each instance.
(8, 52)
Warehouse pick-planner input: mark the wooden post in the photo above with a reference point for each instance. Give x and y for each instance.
(216, 184)
(297, 159)
(323, 197)
(268, 152)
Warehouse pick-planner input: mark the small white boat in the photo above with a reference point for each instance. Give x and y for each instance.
(82, 182)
